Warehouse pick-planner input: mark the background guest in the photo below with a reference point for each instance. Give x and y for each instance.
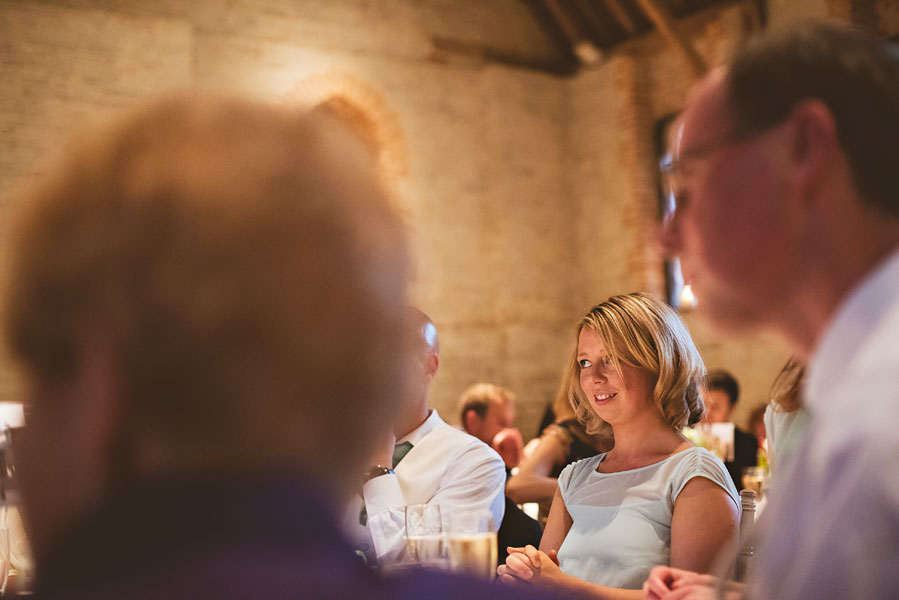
(424, 461)
(721, 396)
(485, 410)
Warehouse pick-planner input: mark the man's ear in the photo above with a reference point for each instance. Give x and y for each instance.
(431, 363)
(815, 143)
(470, 420)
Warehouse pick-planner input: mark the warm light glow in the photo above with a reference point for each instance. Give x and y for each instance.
(361, 107)
(11, 415)
(687, 298)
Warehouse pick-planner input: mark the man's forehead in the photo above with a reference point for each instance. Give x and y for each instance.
(708, 113)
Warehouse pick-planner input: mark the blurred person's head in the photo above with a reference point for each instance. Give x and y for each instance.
(786, 179)
(643, 343)
(209, 286)
(721, 395)
(486, 409)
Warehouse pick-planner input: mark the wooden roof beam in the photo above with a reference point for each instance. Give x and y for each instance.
(664, 22)
(621, 16)
(585, 50)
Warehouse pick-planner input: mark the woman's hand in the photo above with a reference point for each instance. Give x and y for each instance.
(531, 565)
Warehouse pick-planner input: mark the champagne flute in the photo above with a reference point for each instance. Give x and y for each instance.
(424, 535)
(471, 542)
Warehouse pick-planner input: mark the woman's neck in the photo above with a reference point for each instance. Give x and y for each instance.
(642, 444)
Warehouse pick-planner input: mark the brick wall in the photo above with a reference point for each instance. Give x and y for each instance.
(529, 197)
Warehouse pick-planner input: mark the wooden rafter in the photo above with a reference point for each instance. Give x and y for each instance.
(753, 15)
(583, 48)
(621, 16)
(663, 20)
(598, 28)
(444, 47)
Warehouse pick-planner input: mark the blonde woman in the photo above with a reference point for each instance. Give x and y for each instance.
(654, 498)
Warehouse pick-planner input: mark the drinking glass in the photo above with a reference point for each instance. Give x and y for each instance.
(471, 542)
(424, 535)
(754, 479)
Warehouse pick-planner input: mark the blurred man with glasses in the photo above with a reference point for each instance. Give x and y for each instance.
(785, 177)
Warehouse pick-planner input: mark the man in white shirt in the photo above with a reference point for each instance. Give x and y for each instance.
(785, 174)
(426, 461)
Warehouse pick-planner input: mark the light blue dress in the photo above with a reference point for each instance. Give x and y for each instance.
(622, 521)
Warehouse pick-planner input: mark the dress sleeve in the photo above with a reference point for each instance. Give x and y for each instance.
(702, 463)
(572, 475)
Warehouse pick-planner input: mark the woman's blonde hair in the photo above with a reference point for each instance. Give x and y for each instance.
(642, 332)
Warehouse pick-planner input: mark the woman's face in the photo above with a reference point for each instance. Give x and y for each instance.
(614, 398)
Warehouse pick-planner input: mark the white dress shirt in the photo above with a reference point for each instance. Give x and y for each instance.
(446, 467)
(832, 528)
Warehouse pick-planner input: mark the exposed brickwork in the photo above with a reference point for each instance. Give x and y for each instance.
(529, 197)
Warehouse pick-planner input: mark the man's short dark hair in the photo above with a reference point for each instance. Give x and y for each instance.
(721, 380)
(854, 74)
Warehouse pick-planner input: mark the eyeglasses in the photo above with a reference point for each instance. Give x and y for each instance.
(671, 168)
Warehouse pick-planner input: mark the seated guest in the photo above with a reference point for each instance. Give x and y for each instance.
(208, 306)
(786, 417)
(425, 461)
(721, 396)
(485, 410)
(561, 444)
(654, 498)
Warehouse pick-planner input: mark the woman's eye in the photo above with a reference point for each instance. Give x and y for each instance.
(584, 363)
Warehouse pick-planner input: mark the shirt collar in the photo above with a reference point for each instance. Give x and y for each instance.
(422, 430)
(856, 320)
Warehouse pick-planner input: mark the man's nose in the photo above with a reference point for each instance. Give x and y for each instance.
(667, 237)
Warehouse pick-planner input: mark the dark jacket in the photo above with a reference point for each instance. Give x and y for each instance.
(261, 537)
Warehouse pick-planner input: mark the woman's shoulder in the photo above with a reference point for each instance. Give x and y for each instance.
(699, 462)
(698, 458)
(580, 469)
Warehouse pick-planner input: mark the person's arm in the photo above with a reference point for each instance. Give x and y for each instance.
(705, 520)
(383, 506)
(532, 483)
(473, 480)
(558, 523)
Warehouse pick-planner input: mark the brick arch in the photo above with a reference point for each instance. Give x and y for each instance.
(364, 110)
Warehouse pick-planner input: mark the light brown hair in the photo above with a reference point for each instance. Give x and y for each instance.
(640, 331)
